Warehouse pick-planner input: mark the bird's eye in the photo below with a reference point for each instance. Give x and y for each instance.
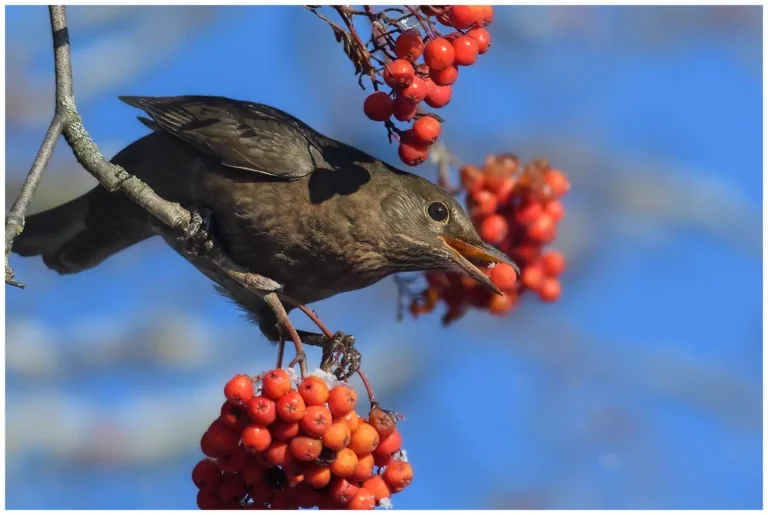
(437, 211)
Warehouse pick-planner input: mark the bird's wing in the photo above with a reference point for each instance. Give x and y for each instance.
(243, 135)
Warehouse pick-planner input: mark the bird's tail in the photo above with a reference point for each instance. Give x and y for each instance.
(45, 232)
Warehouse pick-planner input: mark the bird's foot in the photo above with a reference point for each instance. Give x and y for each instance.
(340, 350)
(197, 238)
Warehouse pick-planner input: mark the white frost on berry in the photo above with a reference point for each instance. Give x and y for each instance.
(331, 380)
(386, 503)
(403, 455)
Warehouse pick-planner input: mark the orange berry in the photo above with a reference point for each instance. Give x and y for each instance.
(345, 464)
(207, 475)
(553, 263)
(378, 106)
(234, 460)
(389, 444)
(306, 448)
(384, 423)
(399, 74)
(549, 290)
(314, 391)
(444, 77)
(382, 460)
(208, 500)
(342, 400)
(527, 211)
(364, 469)
(558, 182)
(342, 491)
(409, 45)
(221, 438)
(234, 416)
(379, 487)
(482, 203)
(239, 389)
(426, 129)
(542, 229)
(416, 91)
(439, 54)
(502, 304)
(276, 453)
(466, 50)
(317, 476)
(261, 492)
(316, 421)
(465, 16)
(471, 178)
(284, 430)
(276, 384)
(363, 500)
(399, 474)
(482, 37)
(262, 410)
(364, 439)
(412, 152)
(493, 229)
(351, 419)
(440, 97)
(232, 488)
(503, 276)
(337, 436)
(404, 109)
(256, 438)
(291, 407)
(532, 275)
(555, 209)
(253, 471)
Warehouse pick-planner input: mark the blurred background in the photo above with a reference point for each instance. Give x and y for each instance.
(640, 388)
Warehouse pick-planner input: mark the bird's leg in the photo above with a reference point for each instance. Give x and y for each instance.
(280, 350)
(284, 322)
(339, 349)
(197, 240)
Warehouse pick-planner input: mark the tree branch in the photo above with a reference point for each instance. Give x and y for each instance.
(184, 226)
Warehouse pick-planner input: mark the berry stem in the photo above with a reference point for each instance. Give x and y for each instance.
(312, 316)
(367, 387)
(427, 28)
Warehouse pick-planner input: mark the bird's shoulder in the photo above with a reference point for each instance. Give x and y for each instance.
(241, 134)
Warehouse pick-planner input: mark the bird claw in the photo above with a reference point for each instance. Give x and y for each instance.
(350, 358)
(196, 240)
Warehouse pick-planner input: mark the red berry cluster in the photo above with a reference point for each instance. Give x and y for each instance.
(517, 210)
(284, 444)
(431, 81)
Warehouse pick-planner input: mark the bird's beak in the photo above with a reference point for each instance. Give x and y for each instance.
(463, 252)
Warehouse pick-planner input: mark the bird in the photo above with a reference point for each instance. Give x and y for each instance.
(316, 215)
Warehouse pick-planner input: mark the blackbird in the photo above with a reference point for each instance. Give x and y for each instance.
(316, 215)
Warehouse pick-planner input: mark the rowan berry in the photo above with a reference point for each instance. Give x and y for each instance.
(351, 419)
(379, 487)
(291, 407)
(206, 475)
(317, 476)
(482, 37)
(314, 391)
(378, 106)
(239, 389)
(493, 229)
(306, 448)
(532, 276)
(345, 464)
(472, 178)
(256, 438)
(399, 74)
(542, 229)
(221, 438)
(389, 444)
(558, 182)
(550, 289)
(275, 384)
(337, 436)
(253, 471)
(234, 460)
(382, 421)
(502, 304)
(427, 129)
(409, 46)
(482, 203)
(553, 263)
(439, 54)
(208, 500)
(555, 209)
(440, 97)
(466, 50)
(342, 400)
(364, 469)
(284, 430)
(503, 276)
(316, 421)
(445, 77)
(465, 16)
(342, 491)
(232, 488)
(363, 500)
(364, 439)
(416, 91)
(404, 109)
(399, 474)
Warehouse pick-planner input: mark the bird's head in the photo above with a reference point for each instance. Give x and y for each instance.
(431, 231)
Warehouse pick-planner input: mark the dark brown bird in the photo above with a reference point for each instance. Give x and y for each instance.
(316, 215)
